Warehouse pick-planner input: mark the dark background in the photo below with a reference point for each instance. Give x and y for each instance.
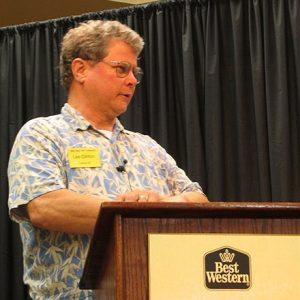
(221, 93)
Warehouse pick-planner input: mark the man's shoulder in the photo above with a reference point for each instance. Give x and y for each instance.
(136, 134)
(43, 130)
(48, 120)
(53, 122)
(143, 139)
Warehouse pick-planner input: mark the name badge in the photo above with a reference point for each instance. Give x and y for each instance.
(84, 157)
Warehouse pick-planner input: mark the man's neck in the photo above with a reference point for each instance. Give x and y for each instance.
(97, 119)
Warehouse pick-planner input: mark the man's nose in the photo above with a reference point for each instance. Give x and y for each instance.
(130, 78)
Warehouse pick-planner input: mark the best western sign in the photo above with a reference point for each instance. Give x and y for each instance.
(227, 268)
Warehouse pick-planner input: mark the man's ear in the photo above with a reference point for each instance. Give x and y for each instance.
(79, 68)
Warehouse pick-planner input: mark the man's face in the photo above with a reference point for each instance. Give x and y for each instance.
(106, 91)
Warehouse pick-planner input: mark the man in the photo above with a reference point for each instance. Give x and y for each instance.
(63, 167)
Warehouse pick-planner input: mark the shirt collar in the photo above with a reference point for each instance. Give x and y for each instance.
(77, 121)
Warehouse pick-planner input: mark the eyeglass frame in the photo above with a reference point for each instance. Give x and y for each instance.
(118, 65)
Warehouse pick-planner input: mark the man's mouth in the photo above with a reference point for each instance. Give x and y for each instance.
(126, 95)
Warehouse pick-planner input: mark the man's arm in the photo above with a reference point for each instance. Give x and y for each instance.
(64, 210)
(67, 211)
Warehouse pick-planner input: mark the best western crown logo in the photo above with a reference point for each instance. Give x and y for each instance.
(226, 256)
(227, 268)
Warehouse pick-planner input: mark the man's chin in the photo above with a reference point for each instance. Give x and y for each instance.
(121, 111)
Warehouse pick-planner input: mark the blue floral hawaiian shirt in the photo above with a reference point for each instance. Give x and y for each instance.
(40, 163)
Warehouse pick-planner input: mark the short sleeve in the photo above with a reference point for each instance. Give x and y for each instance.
(35, 167)
(176, 178)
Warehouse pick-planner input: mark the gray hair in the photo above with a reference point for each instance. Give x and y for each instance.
(90, 41)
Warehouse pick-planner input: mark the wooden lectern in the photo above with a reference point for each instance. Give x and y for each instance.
(117, 262)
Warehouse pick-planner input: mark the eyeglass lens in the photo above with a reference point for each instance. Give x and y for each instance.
(123, 68)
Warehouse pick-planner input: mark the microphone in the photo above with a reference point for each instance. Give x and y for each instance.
(121, 168)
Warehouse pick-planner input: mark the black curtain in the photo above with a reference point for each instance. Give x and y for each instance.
(221, 93)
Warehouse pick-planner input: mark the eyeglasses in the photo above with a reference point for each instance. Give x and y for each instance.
(124, 67)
